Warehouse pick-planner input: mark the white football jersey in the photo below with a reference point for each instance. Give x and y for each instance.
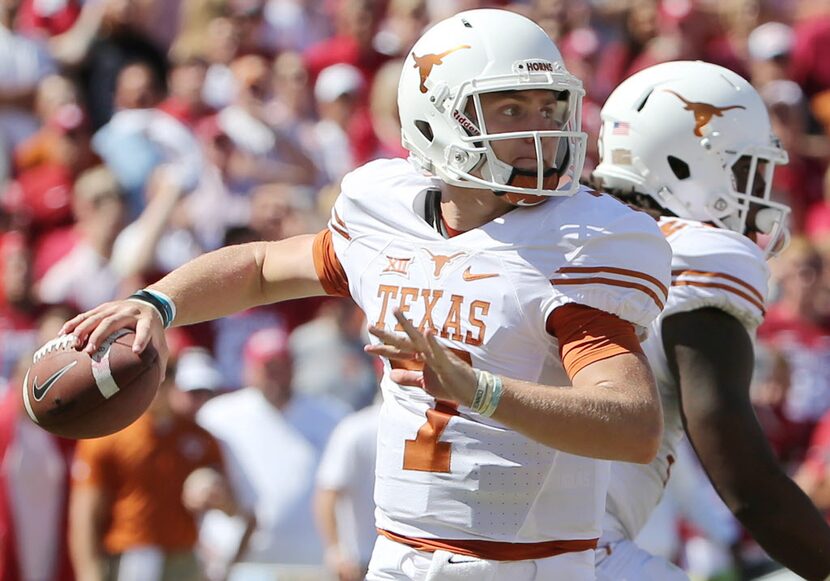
(443, 471)
(711, 267)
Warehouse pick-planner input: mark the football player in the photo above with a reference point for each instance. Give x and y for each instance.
(482, 256)
(691, 143)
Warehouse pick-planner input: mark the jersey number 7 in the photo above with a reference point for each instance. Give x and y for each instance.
(426, 453)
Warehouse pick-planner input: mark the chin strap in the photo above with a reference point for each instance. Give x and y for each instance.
(523, 178)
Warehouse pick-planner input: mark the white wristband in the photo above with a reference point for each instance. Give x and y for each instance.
(488, 392)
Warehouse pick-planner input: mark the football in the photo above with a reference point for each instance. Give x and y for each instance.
(74, 395)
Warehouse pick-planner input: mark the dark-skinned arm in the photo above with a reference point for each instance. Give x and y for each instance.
(711, 356)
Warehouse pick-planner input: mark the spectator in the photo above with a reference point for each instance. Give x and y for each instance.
(277, 211)
(808, 66)
(813, 475)
(248, 16)
(140, 137)
(23, 63)
(405, 21)
(161, 239)
(221, 200)
(118, 43)
(197, 380)
(268, 410)
(269, 156)
(337, 93)
(186, 86)
(800, 181)
(356, 22)
(383, 109)
(41, 197)
(194, 35)
(792, 327)
(294, 25)
(769, 47)
(83, 275)
(344, 501)
(19, 308)
(55, 93)
(47, 18)
(34, 485)
(639, 27)
(123, 523)
(220, 84)
(292, 109)
(336, 335)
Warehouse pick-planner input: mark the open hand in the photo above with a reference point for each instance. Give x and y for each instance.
(442, 373)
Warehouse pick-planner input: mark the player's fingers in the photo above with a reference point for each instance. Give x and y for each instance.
(439, 356)
(106, 327)
(412, 331)
(86, 322)
(407, 377)
(73, 323)
(143, 334)
(392, 339)
(391, 352)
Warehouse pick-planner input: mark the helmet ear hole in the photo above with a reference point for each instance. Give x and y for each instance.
(425, 129)
(679, 167)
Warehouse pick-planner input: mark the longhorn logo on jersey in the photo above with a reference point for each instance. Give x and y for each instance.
(703, 112)
(442, 260)
(425, 63)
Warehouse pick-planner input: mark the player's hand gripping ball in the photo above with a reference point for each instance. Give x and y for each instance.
(74, 395)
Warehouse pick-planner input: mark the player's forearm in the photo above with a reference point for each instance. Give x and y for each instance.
(239, 277)
(778, 515)
(781, 518)
(596, 422)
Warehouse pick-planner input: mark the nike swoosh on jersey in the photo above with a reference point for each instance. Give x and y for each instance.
(39, 391)
(469, 276)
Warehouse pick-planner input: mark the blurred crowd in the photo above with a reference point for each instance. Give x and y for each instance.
(137, 134)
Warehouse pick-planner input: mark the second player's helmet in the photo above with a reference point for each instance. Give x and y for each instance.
(442, 125)
(696, 138)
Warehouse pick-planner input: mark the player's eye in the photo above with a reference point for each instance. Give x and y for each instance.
(511, 111)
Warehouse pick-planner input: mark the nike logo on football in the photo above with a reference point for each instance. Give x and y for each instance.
(39, 391)
(469, 276)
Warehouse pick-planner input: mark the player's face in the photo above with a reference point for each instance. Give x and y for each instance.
(531, 110)
(741, 173)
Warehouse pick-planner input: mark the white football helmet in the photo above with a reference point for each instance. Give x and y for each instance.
(483, 51)
(677, 132)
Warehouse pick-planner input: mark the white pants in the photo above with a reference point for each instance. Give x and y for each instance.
(625, 561)
(393, 561)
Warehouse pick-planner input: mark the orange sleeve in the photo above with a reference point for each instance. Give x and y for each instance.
(587, 335)
(329, 270)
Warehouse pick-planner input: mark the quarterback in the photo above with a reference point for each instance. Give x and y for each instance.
(691, 143)
(507, 302)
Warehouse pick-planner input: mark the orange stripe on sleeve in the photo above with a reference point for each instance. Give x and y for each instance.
(587, 335)
(328, 267)
(614, 270)
(611, 282)
(751, 289)
(734, 291)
